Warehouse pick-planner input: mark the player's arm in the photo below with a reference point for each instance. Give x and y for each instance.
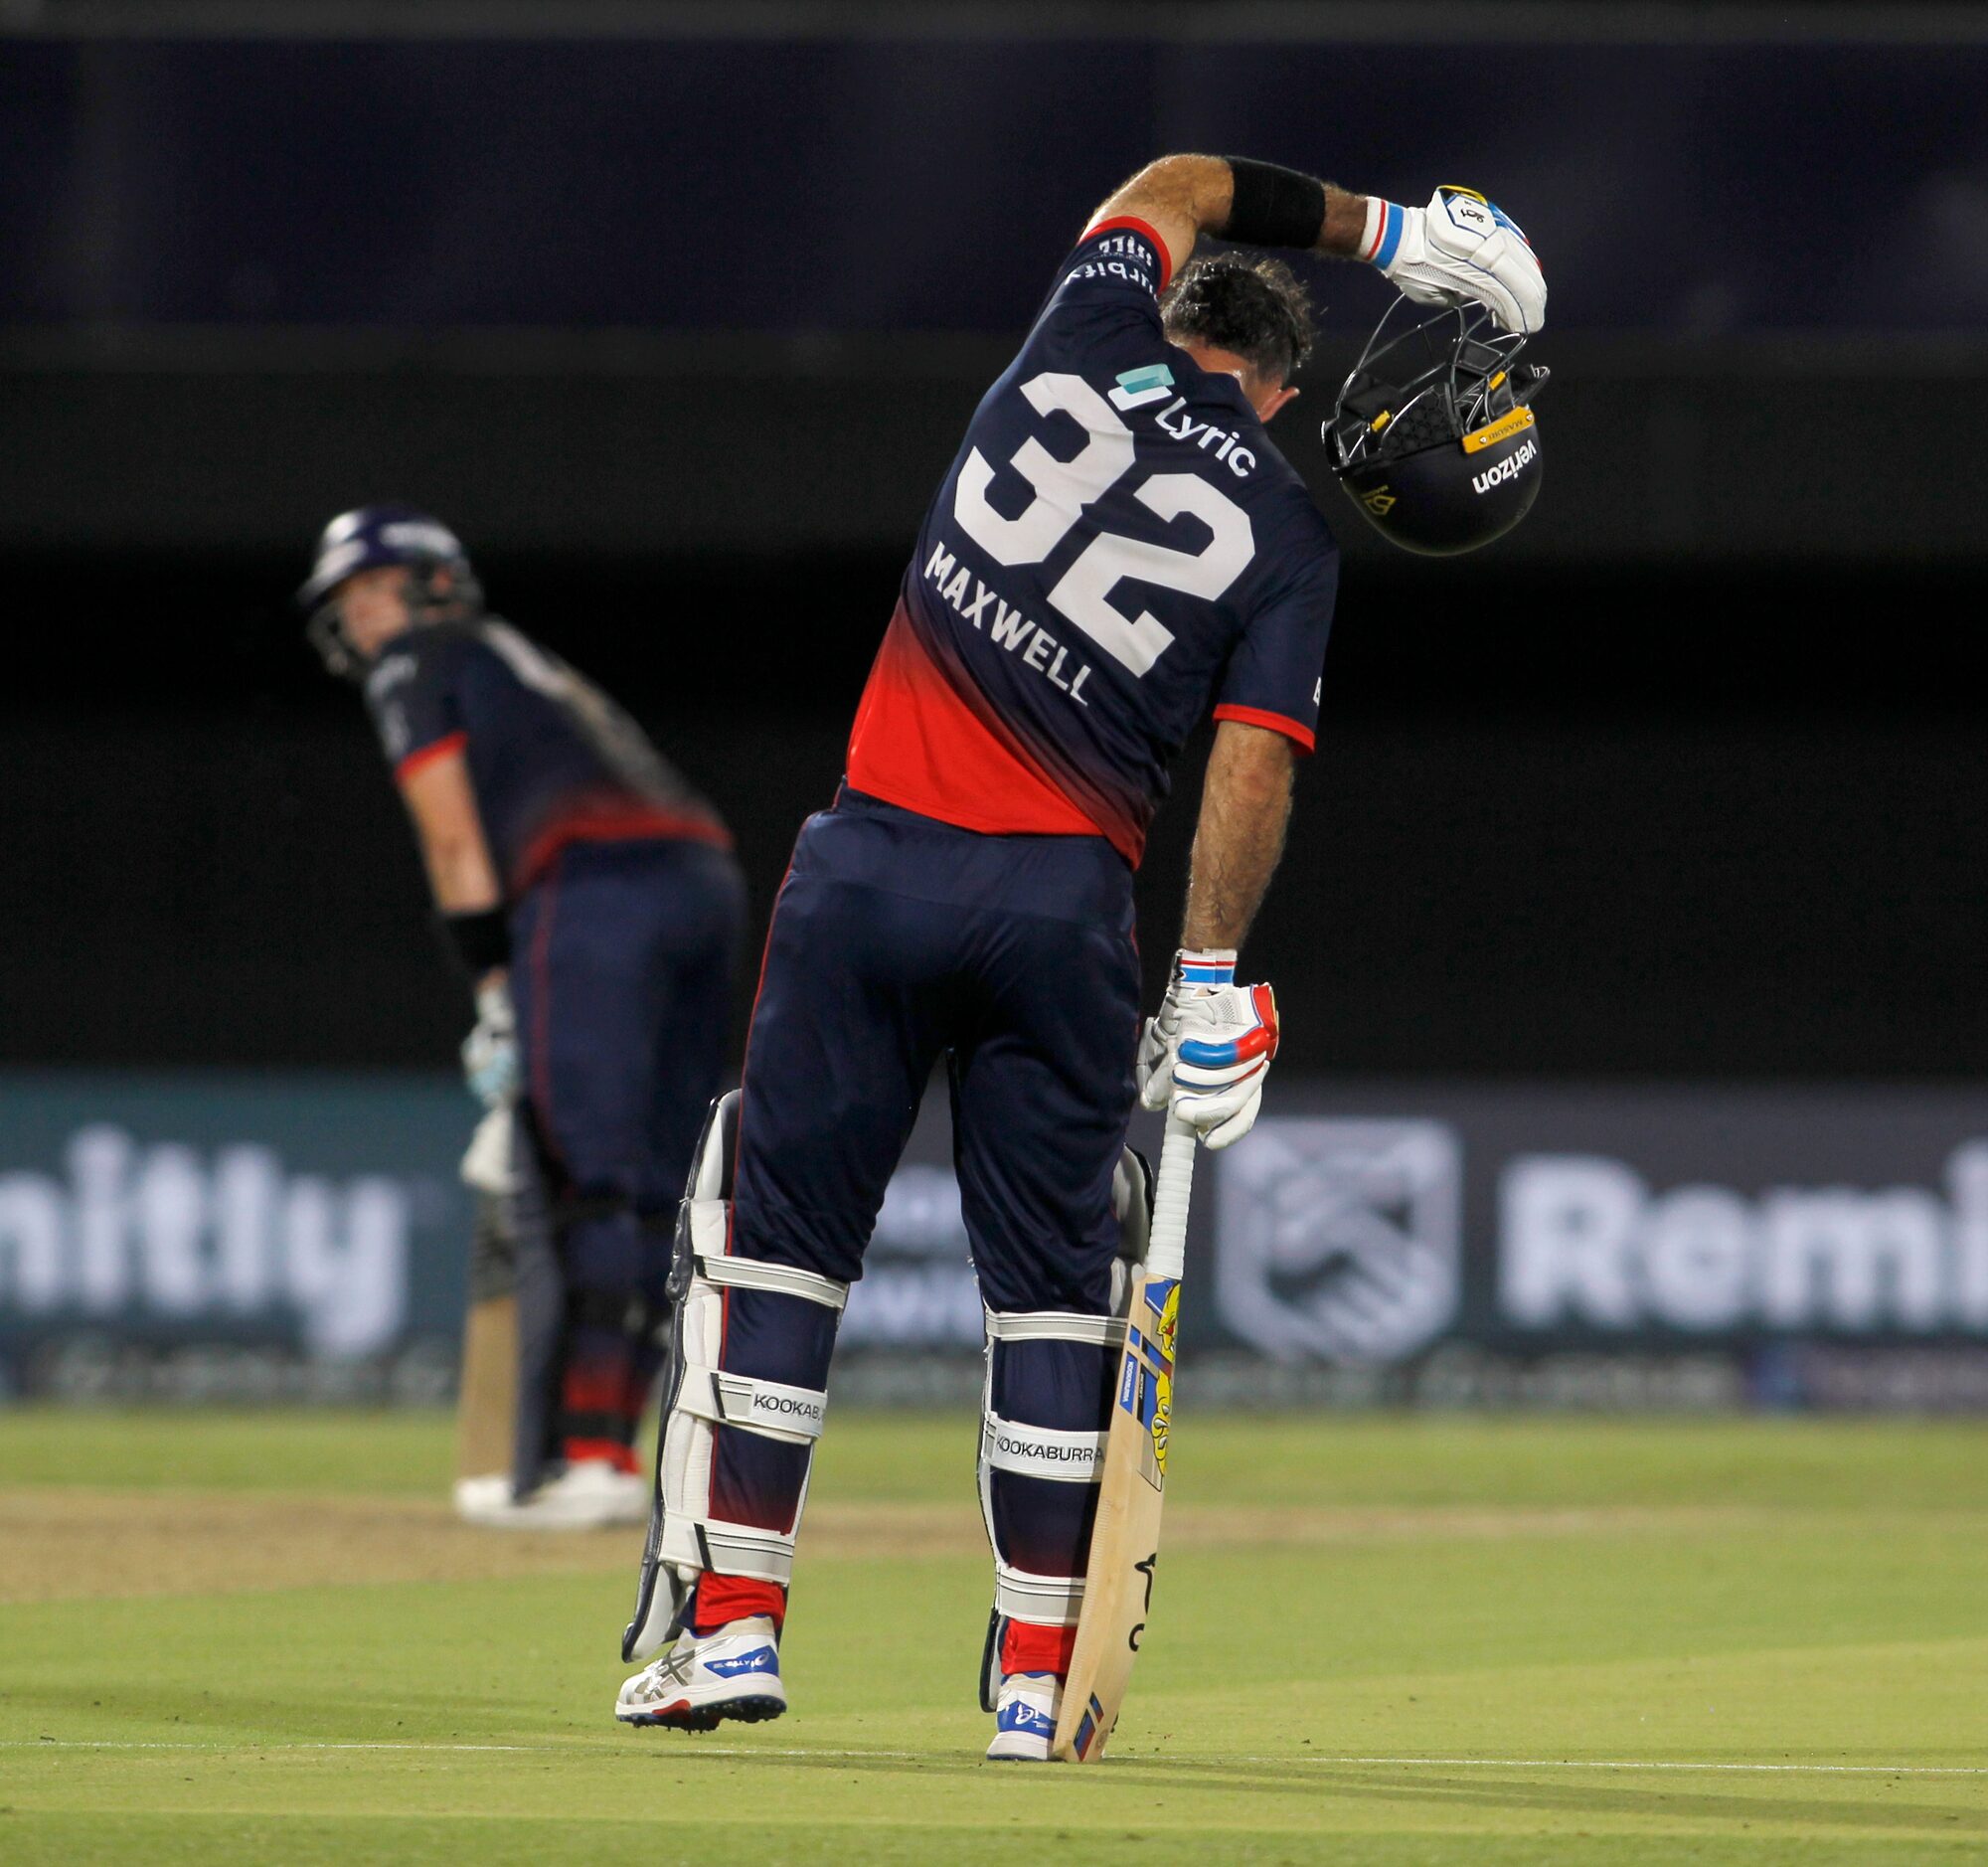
(442, 804)
(1459, 249)
(1182, 197)
(1246, 805)
(1207, 1051)
(463, 880)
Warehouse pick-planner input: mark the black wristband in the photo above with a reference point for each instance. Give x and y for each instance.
(1273, 207)
(483, 941)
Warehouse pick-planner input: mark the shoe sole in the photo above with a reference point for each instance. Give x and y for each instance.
(530, 1517)
(686, 1717)
(1017, 1756)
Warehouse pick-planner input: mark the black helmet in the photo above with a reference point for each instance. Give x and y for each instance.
(1433, 436)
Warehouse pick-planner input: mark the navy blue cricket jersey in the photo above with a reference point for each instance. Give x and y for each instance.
(552, 760)
(1116, 544)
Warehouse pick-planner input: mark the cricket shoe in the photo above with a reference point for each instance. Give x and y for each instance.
(708, 1677)
(476, 1499)
(590, 1494)
(1025, 1718)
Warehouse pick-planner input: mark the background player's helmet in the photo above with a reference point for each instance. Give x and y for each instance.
(1433, 437)
(369, 536)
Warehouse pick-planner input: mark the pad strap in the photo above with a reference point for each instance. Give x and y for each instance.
(1040, 1451)
(1048, 1601)
(755, 1274)
(695, 1546)
(1054, 1326)
(793, 1413)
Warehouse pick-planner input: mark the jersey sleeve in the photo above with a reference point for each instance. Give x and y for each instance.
(415, 708)
(1120, 262)
(1275, 675)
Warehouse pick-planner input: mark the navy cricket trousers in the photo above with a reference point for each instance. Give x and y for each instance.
(621, 973)
(895, 940)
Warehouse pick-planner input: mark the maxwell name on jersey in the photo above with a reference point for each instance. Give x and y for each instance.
(1009, 627)
(1116, 544)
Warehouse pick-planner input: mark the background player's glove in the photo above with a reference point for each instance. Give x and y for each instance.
(490, 1052)
(486, 1163)
(1207, 1052)
(1459, 249)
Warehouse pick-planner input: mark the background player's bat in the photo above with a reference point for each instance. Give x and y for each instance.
(1126, 1540)
(487, 1394)
(487, 1401)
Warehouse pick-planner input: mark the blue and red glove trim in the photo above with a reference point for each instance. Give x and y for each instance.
(1387, 235)
(1261, 1042)
(1209, 970)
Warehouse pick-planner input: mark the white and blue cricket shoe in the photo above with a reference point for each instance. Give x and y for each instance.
(1025, 1718)
(705, 1679)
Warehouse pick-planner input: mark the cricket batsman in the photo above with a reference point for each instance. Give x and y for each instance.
(1117, 548)
(594, 905)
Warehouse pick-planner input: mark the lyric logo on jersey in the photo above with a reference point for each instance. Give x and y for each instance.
(1175, 421)
(1009, 629)
(1340, 1240)
(1504, 469)
(1136, 388)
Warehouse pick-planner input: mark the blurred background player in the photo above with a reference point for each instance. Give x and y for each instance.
(1116, 544)
(594, 905)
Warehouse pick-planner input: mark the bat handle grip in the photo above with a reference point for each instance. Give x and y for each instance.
(1166, 1255)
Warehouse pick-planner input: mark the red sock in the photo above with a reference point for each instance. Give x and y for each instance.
(731, 1598)
(1028, 1647)
(622, 1457)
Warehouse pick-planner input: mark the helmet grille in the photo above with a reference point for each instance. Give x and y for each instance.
(1435, 379)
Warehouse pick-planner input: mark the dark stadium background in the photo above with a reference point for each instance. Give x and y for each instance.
(677, 320)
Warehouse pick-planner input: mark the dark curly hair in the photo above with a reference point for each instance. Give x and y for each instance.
(1253, 307)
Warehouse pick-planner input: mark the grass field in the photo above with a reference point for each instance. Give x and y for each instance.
(236, 1638)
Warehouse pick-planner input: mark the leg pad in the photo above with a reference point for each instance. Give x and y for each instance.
(725, 1304)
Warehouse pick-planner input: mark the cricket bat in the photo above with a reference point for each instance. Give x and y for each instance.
(1125, 1535)
(487, 1401)
(487, 1394)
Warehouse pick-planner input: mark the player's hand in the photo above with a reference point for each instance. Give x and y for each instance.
(1207, 1052)
(1460, 250)
(490, 1052)
(486, 1164)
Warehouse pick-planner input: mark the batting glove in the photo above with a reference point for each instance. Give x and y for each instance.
(487, 1164)
(1459, 249)
(1207, 1052)
(490, 1052)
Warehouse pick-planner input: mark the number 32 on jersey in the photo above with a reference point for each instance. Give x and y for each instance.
(1064, 487)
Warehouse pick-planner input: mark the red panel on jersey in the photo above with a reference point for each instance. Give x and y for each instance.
(610, 817)
(919, 744)
(424, 755)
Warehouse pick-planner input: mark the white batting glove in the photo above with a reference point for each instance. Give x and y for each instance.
(1459, 249)
(487, 1162)
(490, 1052)
(1207, 1052)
